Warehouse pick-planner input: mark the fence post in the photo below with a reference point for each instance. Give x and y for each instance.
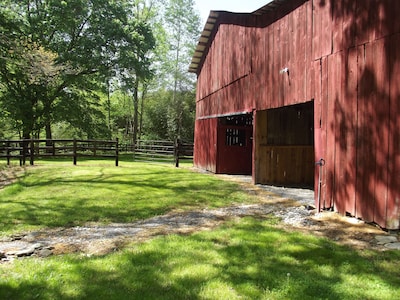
(176, 152)
(32, 152)
(53, 148)
(8, 153)
(23, 152)
(116, 151)
(74, 149)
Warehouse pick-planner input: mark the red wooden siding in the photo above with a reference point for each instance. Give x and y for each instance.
(344, 55)
(393, 207)
(205, 141)
(357, 102)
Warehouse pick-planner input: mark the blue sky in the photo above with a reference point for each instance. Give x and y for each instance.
(204, 6)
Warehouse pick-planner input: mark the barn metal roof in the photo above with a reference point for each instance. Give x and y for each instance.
(205, 36)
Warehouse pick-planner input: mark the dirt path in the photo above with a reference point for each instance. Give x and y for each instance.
(293, 206)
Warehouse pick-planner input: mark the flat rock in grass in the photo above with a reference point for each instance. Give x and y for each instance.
(394, 246)
(44, 252)
(26, 251)
(385, 239)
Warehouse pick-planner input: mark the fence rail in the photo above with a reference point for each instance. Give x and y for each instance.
(144, 150)
(35, 148)
(162, 151)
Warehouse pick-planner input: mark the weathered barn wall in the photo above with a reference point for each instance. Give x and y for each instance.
(355, 47)
(244, 62)
(283, 44)
(343, 54)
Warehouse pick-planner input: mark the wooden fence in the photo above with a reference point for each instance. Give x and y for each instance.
(149, 150)
(162, 151)
(35, 148)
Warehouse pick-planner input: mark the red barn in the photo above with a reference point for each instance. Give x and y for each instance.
(298, 81)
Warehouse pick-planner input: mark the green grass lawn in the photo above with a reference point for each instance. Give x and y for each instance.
(59, 194)
(243, 259)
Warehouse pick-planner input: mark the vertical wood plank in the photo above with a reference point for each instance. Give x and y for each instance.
(322, 35)
(380, 109)
(337, 25)
(326, 192)
(366, 164)
(309, 62)
(393, 204)
(349, 25)
(349, 101)
(331, 129)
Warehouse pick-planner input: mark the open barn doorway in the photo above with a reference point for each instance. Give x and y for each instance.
(284, 153)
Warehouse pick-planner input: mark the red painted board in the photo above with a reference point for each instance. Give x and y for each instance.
(349, 101)
(393, 204)
(380, 109)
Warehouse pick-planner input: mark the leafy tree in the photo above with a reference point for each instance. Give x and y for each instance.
(182, 24)
(55, 55)
(157, 123)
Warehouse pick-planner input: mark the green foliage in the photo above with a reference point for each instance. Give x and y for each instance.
(182, 27)
(55, 52)
(60, 62)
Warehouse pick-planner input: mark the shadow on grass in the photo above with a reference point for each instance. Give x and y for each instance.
(249, 260)
(50, 197)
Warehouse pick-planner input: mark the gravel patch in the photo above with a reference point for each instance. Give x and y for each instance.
(295, 207)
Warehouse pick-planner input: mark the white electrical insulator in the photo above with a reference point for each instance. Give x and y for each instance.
(284, 70)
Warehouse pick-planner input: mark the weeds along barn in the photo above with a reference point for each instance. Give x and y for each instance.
(298, 81)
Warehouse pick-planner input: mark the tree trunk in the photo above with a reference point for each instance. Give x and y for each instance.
(49, 134)
(142, 109)
(135, 112)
